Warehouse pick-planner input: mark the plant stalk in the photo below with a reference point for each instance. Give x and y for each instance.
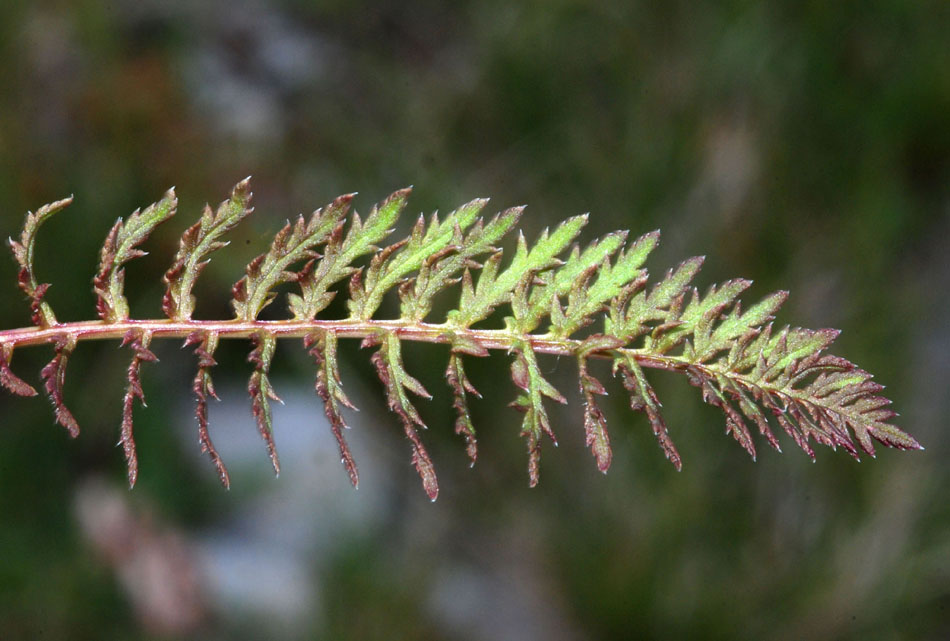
(491, 339)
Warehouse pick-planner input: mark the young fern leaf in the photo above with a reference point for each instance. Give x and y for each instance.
(54, 377)
(13, 383)
(440, 269)
(262, 393)
(394, 263)
(757, 375)
(293, 244)
(322, 346)
(206, 343)
(120, 247)
(613, 281)
(595, 423)
(495, 288)
(629, 316)
(396, 380)
(549, 287)
(339, 254)
(138, 343)
(643, 399)
(197, 243)
(461, 388)
(527, 375)
(42, 313)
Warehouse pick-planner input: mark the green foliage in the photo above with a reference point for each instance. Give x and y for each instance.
(203, 387)
(397, 381)
(23, 253)
(426, 250)
(261, 391)
(120, 247)
(54, 376)
(339, 254)
(329, 388)
(740, 361)
(138, 342)
(494, 287)
(293, 244)
(197, 242)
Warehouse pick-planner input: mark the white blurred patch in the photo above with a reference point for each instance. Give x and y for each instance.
(264, 558)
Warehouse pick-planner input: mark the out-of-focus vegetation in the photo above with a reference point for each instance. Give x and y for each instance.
(806, 145)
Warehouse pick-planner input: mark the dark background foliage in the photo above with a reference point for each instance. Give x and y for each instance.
(806, 145)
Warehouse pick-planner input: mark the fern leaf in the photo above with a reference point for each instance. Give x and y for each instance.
(23, 250)
(197, 243)
(120, 247)
(629, 319)
(262, 393)
(54, 377)
(697, 318)
(336, 262)
(461, 388)
(439, 270)
(643, 399)
(138, 343)
(322, 346)
(756, 375)
(713, 394)
(623, 277)
(205, 345)
(390, 266)
(595, 423)
(526, 374)
(397, 381)
(293, 244)
(13, 383)
(749, 409)
(494, 287)
(548, 287)
(737, 328)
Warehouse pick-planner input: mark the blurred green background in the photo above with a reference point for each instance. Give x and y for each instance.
(802, 144)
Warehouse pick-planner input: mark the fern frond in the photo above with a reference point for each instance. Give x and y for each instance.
(330, 390)
(293, 244)
(138, 342)
(120, 247)
(422, 250)
(397, 381)
(42, 313)
(612, 281)
(13, 383)
(461, 388)
(197, 243)
(757, 375)
(206, 343)
(494, 287)
(595, 423)
(54, 377)
(527, 375)
(337, 261)
(262, 392)
(439, 270)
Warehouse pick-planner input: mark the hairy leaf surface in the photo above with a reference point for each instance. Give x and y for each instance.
(197, 243)
(120, 247)
(556, 296)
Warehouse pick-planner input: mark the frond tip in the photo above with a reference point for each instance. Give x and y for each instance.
(547, 292)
